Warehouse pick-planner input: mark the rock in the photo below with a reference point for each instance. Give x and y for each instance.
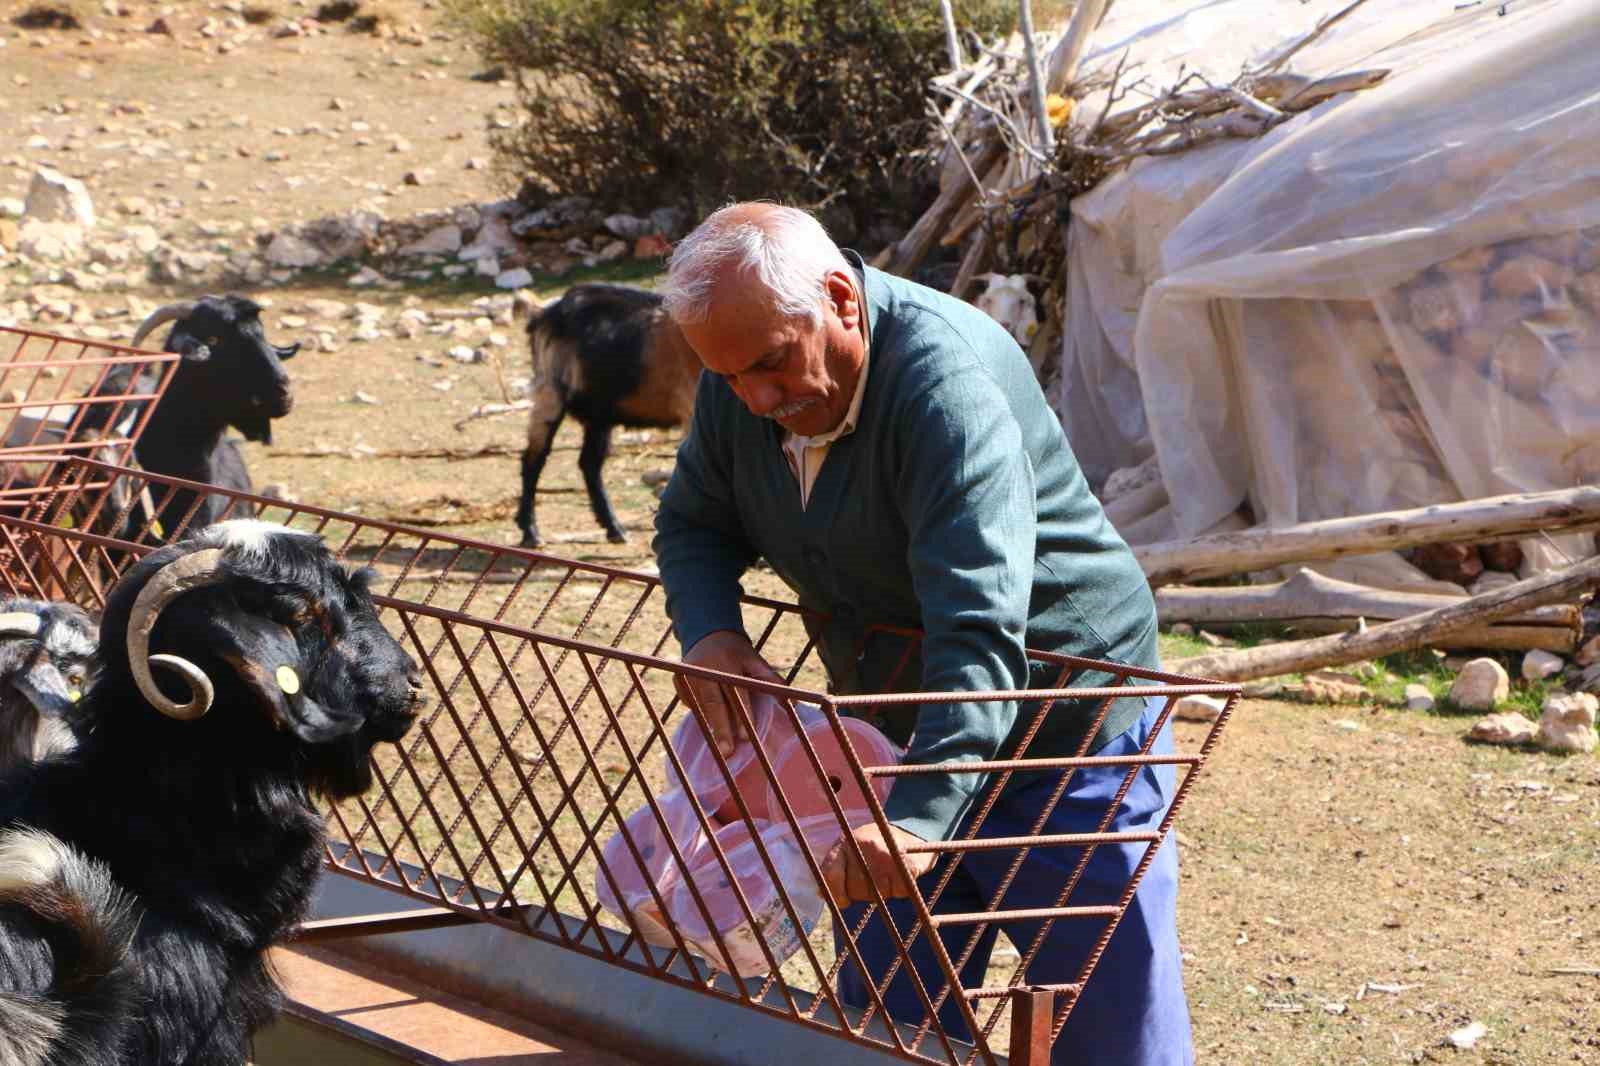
(443, 240)
(1467, 1037)
(9, 234)
(628, 227)
(1509, 729)
(279, 490)
(1538, 665)
(326, 308)
(38, 239)
(488, 266)
(1198, 708)
(495, 237)
(1481, 684)
(421, 176)
(54, 197)
(670, 222)
(477, 162)
(11, 207)
(1329, 686)
(1418, 698)
(1566, 723)
(364, 277)
(1490, 581)
(144, 239)
(463, 353)
(1589, 654)
(613, 251)
(290, 250)
(651, 246)
(364, 398)
(513, 279)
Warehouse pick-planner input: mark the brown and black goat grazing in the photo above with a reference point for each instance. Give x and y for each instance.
(243, 673)
(609, 356)
(45, 654)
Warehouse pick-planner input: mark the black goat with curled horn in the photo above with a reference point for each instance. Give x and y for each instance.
(230, 375)
(243, 672)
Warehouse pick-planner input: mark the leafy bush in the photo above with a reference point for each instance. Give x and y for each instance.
(695, 102)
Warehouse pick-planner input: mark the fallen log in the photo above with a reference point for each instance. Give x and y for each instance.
(1493, 637)
(1417, 631)
(1309, 595)
(1474, 521)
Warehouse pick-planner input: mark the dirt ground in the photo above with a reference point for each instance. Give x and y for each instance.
(1358, 883)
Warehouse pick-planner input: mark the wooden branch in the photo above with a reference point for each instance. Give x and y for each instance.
(1310, 595)
(911, 249)
(1030, 49)
(1069, 50)
(1494, 637)
(951, 44)
(1490, 518)
(1418, 631)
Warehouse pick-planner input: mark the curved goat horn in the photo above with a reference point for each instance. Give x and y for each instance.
(158, 316)
(20, 624)
(191, 572)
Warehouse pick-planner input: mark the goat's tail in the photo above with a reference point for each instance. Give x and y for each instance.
(89, 923)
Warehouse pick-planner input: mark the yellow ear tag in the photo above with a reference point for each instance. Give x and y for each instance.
(288, 680)
(74, 695)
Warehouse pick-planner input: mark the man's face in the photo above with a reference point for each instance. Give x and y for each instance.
(800, 376)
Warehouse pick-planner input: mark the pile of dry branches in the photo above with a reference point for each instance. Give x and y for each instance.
(1016, 153)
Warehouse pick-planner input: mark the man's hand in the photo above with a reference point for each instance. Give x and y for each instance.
(732, 653)
(849, 882)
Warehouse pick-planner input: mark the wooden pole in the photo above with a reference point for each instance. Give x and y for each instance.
(1041, 110)
(951, 42)
(1418, 631)
(1491, 518)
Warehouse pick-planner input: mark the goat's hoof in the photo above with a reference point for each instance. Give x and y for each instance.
(530, 540)
(616, 536)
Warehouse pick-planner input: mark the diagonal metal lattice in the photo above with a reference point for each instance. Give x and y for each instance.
(551, 727)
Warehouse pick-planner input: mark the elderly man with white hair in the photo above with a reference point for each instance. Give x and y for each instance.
(887, 450)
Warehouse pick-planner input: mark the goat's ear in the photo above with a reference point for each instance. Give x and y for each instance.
(287, 351)
(187, 345)
(43, 686)
(267, 659)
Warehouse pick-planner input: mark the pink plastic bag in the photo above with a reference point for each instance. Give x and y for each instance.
(632, 894)
(805, 791)
(772, 924)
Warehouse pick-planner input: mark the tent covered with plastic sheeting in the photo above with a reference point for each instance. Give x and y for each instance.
(1387, 301)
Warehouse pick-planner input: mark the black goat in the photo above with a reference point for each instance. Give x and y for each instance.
(609, 356)
(45, 655)
(144, 875)
(230, 375)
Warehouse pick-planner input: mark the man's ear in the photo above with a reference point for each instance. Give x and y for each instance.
(843, 297)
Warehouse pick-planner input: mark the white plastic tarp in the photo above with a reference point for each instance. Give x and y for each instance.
(1389, 301)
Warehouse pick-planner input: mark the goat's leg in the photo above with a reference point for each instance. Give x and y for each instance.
(541, 435)
(596, 446)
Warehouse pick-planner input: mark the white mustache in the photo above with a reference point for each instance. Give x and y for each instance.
(790, 409)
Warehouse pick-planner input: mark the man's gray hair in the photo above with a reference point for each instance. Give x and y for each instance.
(788, 250)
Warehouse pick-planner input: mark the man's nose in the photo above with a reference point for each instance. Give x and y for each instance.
(762, 398)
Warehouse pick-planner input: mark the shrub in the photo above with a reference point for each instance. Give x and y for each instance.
(695, 102)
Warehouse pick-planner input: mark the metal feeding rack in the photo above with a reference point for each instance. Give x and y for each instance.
(551, 724)
(61, 397)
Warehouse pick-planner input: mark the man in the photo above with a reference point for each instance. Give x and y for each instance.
(887, 450)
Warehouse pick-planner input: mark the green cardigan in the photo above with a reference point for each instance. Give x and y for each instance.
(955, 507)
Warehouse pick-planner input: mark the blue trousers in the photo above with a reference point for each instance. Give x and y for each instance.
(1132, 1011)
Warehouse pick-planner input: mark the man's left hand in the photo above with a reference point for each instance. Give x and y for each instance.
(849, 882)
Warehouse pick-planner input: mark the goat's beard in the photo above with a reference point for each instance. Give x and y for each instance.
(342, 768)
(256, 428)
